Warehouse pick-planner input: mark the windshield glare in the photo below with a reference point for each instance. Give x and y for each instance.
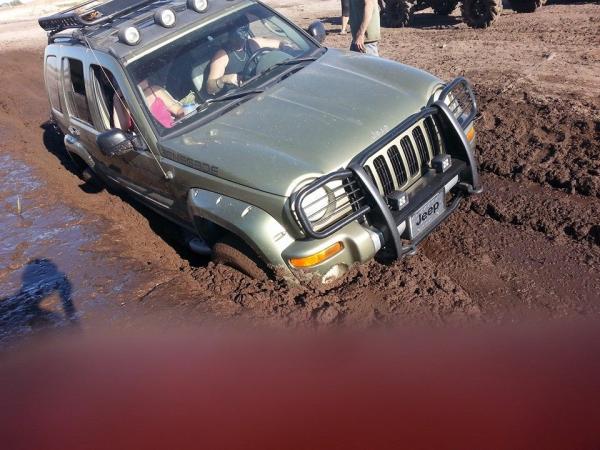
(215, 60)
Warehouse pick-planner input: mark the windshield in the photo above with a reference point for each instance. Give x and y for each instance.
(181, 80)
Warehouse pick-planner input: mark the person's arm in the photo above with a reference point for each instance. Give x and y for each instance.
(263, 42)
(172, 105)
(216, 76)
(359, 39)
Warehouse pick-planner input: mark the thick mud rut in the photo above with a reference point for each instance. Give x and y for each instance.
(530, 245)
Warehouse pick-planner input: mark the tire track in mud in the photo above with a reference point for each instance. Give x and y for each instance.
(550, 141)
(526, 205)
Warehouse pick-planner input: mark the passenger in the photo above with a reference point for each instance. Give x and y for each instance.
(161, 104)
(228, 63)
(121, 116)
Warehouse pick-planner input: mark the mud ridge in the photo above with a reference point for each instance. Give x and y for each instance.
(551, 141)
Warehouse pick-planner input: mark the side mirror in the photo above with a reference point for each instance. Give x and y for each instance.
(114, 142)
(317, 30)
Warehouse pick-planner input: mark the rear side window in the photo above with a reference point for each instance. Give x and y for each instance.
(52, 85)
(75, 89)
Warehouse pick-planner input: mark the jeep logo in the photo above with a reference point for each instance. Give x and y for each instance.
(425, 215)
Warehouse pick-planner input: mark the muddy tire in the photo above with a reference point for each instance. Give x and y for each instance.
(480, 13)
(526, 6)
(443, 7)
(396, 14)
(234, 253)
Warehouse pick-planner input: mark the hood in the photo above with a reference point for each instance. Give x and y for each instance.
(311, 123)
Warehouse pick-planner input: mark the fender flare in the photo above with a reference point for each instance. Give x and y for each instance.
(257, 228)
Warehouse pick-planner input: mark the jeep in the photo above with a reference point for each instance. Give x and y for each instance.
(307, 160)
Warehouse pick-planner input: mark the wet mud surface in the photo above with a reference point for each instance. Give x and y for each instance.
(529, 246)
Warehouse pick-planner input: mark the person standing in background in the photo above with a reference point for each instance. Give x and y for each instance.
(345, 16)
(364, 23)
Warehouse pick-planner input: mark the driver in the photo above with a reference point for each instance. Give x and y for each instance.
(228, 63)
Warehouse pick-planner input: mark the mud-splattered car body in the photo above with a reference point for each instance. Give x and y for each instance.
(318, 165)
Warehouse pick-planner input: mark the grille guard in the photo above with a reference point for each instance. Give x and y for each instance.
(381, 216)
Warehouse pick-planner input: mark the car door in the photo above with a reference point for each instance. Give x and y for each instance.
(140, 171)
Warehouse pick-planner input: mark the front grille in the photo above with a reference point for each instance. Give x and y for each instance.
(397, 165)
(433, 136)
(421, 145)
(409, 154)
(403, 160)
(384, 174)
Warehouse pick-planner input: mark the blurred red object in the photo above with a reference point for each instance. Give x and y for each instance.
(528, 388)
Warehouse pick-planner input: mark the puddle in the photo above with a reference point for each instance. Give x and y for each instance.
(50, 274)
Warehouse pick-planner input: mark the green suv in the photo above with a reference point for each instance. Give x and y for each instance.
(272, 151)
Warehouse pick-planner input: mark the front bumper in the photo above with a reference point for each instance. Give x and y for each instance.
(374, 214)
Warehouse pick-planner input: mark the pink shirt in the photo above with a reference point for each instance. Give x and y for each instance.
(161, 113)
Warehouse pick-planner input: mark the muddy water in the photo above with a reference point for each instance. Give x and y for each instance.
(51, 275)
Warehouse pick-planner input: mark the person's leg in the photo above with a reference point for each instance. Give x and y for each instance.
(344, 24)
(345, 15)
(372, 49)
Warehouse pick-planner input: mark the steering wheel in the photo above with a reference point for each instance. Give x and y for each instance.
(247, 72)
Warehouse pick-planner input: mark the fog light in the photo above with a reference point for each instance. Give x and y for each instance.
(441, 163)
(165, 17)
(397, 200)
(197, 5)
(314, 259)
(129, 35)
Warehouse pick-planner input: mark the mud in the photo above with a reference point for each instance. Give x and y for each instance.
(529, 246)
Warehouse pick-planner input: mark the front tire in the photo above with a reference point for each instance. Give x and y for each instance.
(396, 14)
(480, 13)
(236, 254)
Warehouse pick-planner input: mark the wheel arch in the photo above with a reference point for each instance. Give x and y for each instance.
(249, 223)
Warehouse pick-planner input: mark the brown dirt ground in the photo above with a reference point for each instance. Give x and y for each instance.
(529, 246)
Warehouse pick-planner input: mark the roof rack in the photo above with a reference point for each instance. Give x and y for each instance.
(89, 13)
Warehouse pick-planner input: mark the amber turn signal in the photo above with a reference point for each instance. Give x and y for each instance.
(313, 260)
(471, 134)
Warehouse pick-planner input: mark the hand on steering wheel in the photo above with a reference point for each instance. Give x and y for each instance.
(247, 72)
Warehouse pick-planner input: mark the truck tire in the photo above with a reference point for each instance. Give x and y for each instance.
(396, 14)
(443, 7)
(526, 6)
(236, 254)
(480, 13)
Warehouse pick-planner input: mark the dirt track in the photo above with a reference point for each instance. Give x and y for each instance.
(529, 246)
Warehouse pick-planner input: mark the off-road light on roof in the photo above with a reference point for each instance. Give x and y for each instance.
(197, 5)
(129, 35)
(165, 17)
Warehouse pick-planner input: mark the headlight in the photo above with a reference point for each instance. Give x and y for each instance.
(459, 97)
(324, 205)
(315, 204)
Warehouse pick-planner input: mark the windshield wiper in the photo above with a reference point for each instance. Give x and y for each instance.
(287, 62)
(202, 106)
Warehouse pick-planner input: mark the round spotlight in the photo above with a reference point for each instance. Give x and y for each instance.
(165, 17)
(197, 5)
(129, 35)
